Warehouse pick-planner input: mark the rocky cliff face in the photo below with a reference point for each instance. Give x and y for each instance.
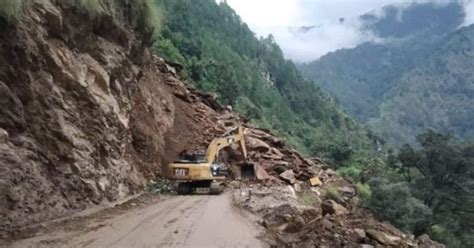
(87, 115)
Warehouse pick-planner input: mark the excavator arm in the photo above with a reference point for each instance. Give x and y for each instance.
(219, 143)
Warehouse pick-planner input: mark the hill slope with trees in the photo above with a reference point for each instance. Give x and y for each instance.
(371, 81)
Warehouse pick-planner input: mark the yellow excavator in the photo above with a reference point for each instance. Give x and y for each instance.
(203, 171)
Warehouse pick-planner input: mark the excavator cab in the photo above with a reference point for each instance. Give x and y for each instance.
(193, 171)
(219, 170)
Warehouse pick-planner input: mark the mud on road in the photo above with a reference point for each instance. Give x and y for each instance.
(178, 221)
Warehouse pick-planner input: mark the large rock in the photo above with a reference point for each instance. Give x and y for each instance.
(288, 176)
(331, 207)
(359, 235)
(383, 238)
(257, 145)
(260, 173)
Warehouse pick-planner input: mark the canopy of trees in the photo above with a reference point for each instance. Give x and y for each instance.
(431, 190)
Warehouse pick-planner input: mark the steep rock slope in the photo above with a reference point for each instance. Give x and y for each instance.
(88, 115)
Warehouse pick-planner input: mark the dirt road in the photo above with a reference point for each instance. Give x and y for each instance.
(180, 221)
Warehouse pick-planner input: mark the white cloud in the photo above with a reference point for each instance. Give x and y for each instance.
(469, 11)
(281, 17)
(321, 39)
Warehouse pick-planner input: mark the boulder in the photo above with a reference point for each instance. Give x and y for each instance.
(359, 235)
(260, 173)
(347, 190)
(383, 238)
(332, 207)
(288, 176)
(257, 145)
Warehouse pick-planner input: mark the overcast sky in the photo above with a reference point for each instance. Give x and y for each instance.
(281, 17)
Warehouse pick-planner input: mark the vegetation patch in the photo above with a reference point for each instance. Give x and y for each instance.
(11, 10)
(308, 198)
(332, 192)
(363, 190)
(350, 172)
(138, 13)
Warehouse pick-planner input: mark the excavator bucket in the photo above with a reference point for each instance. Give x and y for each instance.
(247, 172)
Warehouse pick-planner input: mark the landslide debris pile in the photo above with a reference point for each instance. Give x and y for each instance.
(304, 203)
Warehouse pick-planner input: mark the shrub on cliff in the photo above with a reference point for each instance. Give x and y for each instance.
(11, 10)
(138, 13)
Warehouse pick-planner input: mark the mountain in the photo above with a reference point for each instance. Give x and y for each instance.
(436, 94)
(366, 79)
(219, 53)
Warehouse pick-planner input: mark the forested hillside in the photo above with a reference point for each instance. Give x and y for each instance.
(437, 94)
(219, 53)
(367, 79)
(419, 77)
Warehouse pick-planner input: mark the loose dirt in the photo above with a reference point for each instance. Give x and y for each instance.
(177, 221)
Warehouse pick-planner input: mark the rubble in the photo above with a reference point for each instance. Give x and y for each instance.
(289, 223)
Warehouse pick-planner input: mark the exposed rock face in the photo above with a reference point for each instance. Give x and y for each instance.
(87, 116)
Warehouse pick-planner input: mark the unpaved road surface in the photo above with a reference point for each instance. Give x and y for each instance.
(180, 221)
